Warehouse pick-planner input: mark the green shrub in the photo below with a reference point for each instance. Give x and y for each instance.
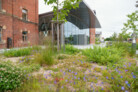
(103, 55)
(45, 57)
(22, 51)
(11, 76)
(137, 47)
(69, 49)
(17, 53)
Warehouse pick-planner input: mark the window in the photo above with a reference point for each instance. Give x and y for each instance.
(24, 14)
(0, 34)
(24, 36)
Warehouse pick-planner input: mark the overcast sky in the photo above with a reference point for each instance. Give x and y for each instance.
(110, 13)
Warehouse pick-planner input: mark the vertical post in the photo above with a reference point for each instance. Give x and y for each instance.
(60, 34)
(57, 28)
(52, 34)
(63, 37)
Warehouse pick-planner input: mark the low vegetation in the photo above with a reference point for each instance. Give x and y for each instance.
(103, 55)
(22, 51)
(11, 76)
(45, 70)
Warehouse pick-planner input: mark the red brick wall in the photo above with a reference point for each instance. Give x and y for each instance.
(92, 35)
(15, 25)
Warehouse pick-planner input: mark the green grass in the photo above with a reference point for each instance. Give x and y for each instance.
(103, 55)
(46, 57)
(22, 51)
(69, 49)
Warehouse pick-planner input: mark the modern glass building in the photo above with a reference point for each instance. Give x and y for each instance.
(79, 28)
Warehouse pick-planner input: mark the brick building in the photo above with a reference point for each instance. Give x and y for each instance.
(18, 23)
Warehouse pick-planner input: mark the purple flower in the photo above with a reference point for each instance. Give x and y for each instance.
(66, 80)
(112, 78)
(102, 83)
(84, 78)
(122, 88)
(134, 76)
(126, 82)
(78, 78)
(76, 73)
(102, 89)
(128, 85)
(126, 91)
(64, 73)
(55, 82)
(106, 77)
(124, 65)
(74, 83)
(62, 87)
(69, 70)
(46, 77)
(121, 76)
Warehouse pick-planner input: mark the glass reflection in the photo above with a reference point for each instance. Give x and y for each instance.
(74, 35)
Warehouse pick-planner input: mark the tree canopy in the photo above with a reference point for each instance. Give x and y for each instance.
(65, 5)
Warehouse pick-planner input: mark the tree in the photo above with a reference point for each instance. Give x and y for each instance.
(130, 25)
(66, 5)
(114, 37)
(60, 15)
(124, 35)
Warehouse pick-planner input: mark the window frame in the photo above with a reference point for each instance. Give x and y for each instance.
(25, 36)
(25, 12)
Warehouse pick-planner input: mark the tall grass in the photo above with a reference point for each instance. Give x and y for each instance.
(103, 55)
(21, 51)
(17, 53)
(46, 56)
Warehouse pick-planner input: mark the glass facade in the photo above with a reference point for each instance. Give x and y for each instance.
(74, 35)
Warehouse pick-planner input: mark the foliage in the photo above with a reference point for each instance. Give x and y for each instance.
(103, 55)
(17, 53)
(97, 40)
(69, 49)
(125, 46)
(30, 68)
(122, 77)
(131, 22)
(124, 36)
(60, 57)
(22, 51)
(66, 5)
(45, 57)
(11, 76)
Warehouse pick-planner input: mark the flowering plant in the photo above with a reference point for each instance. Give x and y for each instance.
(10, 76)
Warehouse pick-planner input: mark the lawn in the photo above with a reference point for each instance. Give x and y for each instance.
(71, 71)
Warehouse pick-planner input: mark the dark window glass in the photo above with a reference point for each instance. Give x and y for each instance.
(0, 34)
(24, 14)
(24, 36)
